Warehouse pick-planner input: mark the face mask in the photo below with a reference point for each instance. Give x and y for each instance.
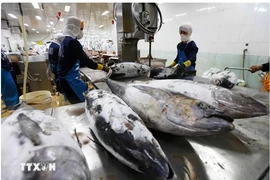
(80, 35)
(184, 37)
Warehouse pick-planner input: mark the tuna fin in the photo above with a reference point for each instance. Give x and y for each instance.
(30, 128)
(154, 92)
(190, 171)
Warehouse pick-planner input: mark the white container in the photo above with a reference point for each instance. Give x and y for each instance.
(38, 99)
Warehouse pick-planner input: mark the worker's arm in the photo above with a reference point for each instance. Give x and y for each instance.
(85, 61)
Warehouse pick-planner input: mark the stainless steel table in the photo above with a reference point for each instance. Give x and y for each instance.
(242, 154)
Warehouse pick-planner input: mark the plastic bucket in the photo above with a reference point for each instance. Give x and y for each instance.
(38, 99)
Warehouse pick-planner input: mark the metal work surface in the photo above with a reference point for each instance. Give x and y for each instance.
(240, 154)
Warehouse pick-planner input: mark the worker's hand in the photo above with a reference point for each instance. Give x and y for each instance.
(254, 69)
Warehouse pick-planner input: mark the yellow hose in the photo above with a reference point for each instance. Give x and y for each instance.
(26, 61)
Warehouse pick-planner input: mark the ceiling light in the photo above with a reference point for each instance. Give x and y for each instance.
(166, 20)
(37, 32)
(35, 4)
(48, 25)
(33, 29)
(39, 18)
(101, 26)
(183, 14)
(12, 15)
(54, 31)
(48, 30)
(51, 23)
(262, 9)
(61, 19)
(67, 8)
(104, 13)
(26, 24)
(93, 30)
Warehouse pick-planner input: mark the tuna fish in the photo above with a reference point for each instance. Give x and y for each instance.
(128, 69)
(235, 105)
(170, 112)
(122, 133)
(26, 126)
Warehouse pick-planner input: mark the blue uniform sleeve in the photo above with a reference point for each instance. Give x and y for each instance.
(77, 49)
(193, 50)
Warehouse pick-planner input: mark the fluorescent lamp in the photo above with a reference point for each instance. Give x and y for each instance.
(104, 13)
(61, 19)
(166, 20)
(101, 26)
(67, 8)
(51, 23)
(183, 14)
(26, 24)
(48, 30)
(35, 4)
(37, 32)
(93, 30)
(48, 25)
(33, 29)
(12, 15)
(39, 18)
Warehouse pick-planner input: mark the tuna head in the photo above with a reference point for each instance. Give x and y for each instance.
(196, 115)
(238, 105)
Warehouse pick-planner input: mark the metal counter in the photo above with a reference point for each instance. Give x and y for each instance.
(242, 154)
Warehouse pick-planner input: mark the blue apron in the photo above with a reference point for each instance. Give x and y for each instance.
(8, 88)
(74, 80)
(183, 58)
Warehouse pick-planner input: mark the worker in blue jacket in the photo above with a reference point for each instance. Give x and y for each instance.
(71, 58)
(53, 57)
(9, 89)
(186, 55)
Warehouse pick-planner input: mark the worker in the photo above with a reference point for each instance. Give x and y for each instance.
(186, 55)
(9, 89)
(53, 57)
(264, 67)
(71, 58)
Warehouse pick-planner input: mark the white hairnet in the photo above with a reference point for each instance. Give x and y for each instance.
(73, 26)
(59, 37)
(186, 28)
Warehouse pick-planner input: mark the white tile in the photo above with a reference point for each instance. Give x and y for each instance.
(234, 33)
(245, 33)
(254, 48)
(247, 14)
(264, 49)
(203, 47)
(258, 32)
(214, 19)
(223, 33)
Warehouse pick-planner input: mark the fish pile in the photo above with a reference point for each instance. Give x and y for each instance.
(30, 148)
(171, 112)
(122, 133)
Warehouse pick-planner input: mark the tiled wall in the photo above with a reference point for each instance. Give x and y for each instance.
(221, 31)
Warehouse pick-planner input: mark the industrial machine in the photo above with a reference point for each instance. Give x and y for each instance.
(135, 21)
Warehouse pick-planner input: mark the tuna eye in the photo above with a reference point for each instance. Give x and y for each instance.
(203, 105)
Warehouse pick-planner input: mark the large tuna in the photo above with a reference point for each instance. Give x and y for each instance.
(172, 113)
(234, 104)
(128, 69)
(121, 132)
(34, 140)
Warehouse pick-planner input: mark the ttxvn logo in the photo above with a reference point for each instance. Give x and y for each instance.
(38, 166)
